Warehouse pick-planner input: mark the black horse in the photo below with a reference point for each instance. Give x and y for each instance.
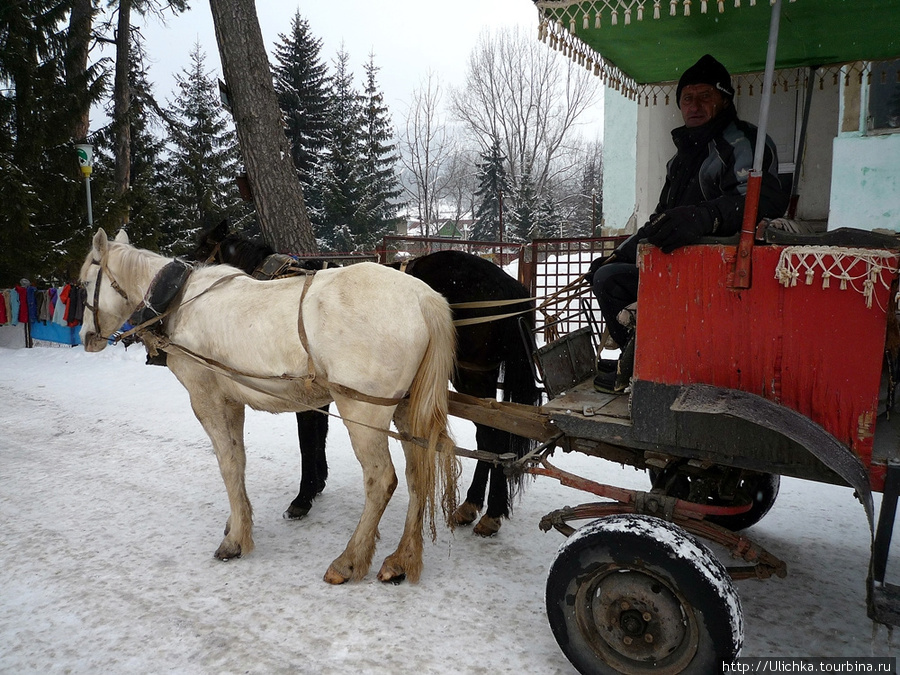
(491, 356)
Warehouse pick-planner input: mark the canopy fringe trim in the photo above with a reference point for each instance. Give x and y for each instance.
(557, 27)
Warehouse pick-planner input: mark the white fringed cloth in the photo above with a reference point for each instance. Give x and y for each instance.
(862, 269)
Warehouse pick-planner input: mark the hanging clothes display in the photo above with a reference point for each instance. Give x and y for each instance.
(53, 314)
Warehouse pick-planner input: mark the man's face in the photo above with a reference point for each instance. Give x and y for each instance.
(700, 103)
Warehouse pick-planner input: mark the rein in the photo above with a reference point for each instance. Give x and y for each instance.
(477, 304)
(154, 342)
(145, 308)
(222, 369)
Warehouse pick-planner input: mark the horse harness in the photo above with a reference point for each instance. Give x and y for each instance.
(154, 307)
(279, 266)
(158, 303)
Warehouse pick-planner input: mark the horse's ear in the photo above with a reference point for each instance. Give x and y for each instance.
(122, 237)
(220, 232)
(100, 242)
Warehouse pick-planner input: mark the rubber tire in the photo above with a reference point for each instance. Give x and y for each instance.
(666, 561)
(766, 487)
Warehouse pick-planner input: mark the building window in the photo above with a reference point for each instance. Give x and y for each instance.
(884, 97)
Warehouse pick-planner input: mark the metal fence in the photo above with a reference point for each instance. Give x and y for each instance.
(395, 248)
(550, 268)
(553, 269)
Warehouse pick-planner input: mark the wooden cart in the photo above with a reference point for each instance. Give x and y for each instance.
(732, 390)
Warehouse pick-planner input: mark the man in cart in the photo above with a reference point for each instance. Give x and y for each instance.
(703, 195)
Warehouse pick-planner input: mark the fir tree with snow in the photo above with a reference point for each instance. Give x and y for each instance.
(524, 220)
(380, 182)
(303, 86)
(342, 175)
(203, 161)
(548, 221)
(492, 186)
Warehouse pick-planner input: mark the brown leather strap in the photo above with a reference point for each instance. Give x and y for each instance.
(301, 330)
(365, 398)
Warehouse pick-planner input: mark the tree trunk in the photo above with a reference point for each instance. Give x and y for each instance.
(76, 62)
(265, 149)
(122, 107)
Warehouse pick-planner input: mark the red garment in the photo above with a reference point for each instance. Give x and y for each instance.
(3, 319)
(64, 298)
(23, 304)
(75, 307)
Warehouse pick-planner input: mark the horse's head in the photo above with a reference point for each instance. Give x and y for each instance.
(209, 242)
(219, 246)
(107, 303)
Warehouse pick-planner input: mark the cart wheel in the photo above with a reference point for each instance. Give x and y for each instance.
(637, 595)
(762, 488)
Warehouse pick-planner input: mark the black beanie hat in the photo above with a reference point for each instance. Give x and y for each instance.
(706, 71)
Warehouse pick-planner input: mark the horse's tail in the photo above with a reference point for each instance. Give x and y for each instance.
(519, 386)
(428, 403)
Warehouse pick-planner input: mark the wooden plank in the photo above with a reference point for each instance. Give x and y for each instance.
(522, 420)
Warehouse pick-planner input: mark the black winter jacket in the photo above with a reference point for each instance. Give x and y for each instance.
(711, 168)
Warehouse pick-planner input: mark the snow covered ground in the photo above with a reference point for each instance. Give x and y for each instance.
(111, 506)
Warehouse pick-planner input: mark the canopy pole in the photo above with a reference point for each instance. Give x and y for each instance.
(768, 79)
(741, 277)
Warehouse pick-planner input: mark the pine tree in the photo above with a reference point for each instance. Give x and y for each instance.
(303, 85)
(40, 184)
(492, 186)
(381, 185)
(203, 162)
(342, 189)
(148, 168)
(524, 222)
(548, 220)
(589, 206)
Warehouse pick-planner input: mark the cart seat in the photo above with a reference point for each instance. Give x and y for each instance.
(843, 236)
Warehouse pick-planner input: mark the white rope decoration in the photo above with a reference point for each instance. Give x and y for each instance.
(862, 269)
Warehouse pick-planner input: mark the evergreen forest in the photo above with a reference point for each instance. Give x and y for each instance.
(166, 168)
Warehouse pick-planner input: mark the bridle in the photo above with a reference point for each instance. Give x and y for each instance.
(214, 255)
(95, 311)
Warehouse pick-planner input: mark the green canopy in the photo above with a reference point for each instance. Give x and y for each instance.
(653, 41)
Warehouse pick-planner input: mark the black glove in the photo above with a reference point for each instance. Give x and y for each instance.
(679, 227)
(596, 264)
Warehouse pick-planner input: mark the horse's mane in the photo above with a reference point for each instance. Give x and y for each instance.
(136, 260)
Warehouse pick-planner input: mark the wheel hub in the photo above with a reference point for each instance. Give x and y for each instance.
(637, 622)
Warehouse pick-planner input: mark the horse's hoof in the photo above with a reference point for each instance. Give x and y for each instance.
(294, 512)
(227, 552)
(391, 573)
(395, 580)
(332, 576)
(466, 513)
(487, 526)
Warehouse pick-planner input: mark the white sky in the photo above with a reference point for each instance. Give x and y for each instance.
(407, 37)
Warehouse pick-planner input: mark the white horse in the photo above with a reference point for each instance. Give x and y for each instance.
(362, 336)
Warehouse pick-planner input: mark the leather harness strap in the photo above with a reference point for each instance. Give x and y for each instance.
(301, 330)
(310, 377)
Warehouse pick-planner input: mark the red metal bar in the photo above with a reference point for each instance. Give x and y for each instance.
(624, 496)
(742, 269)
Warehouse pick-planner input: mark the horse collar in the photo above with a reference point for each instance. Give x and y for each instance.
(167, 284)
